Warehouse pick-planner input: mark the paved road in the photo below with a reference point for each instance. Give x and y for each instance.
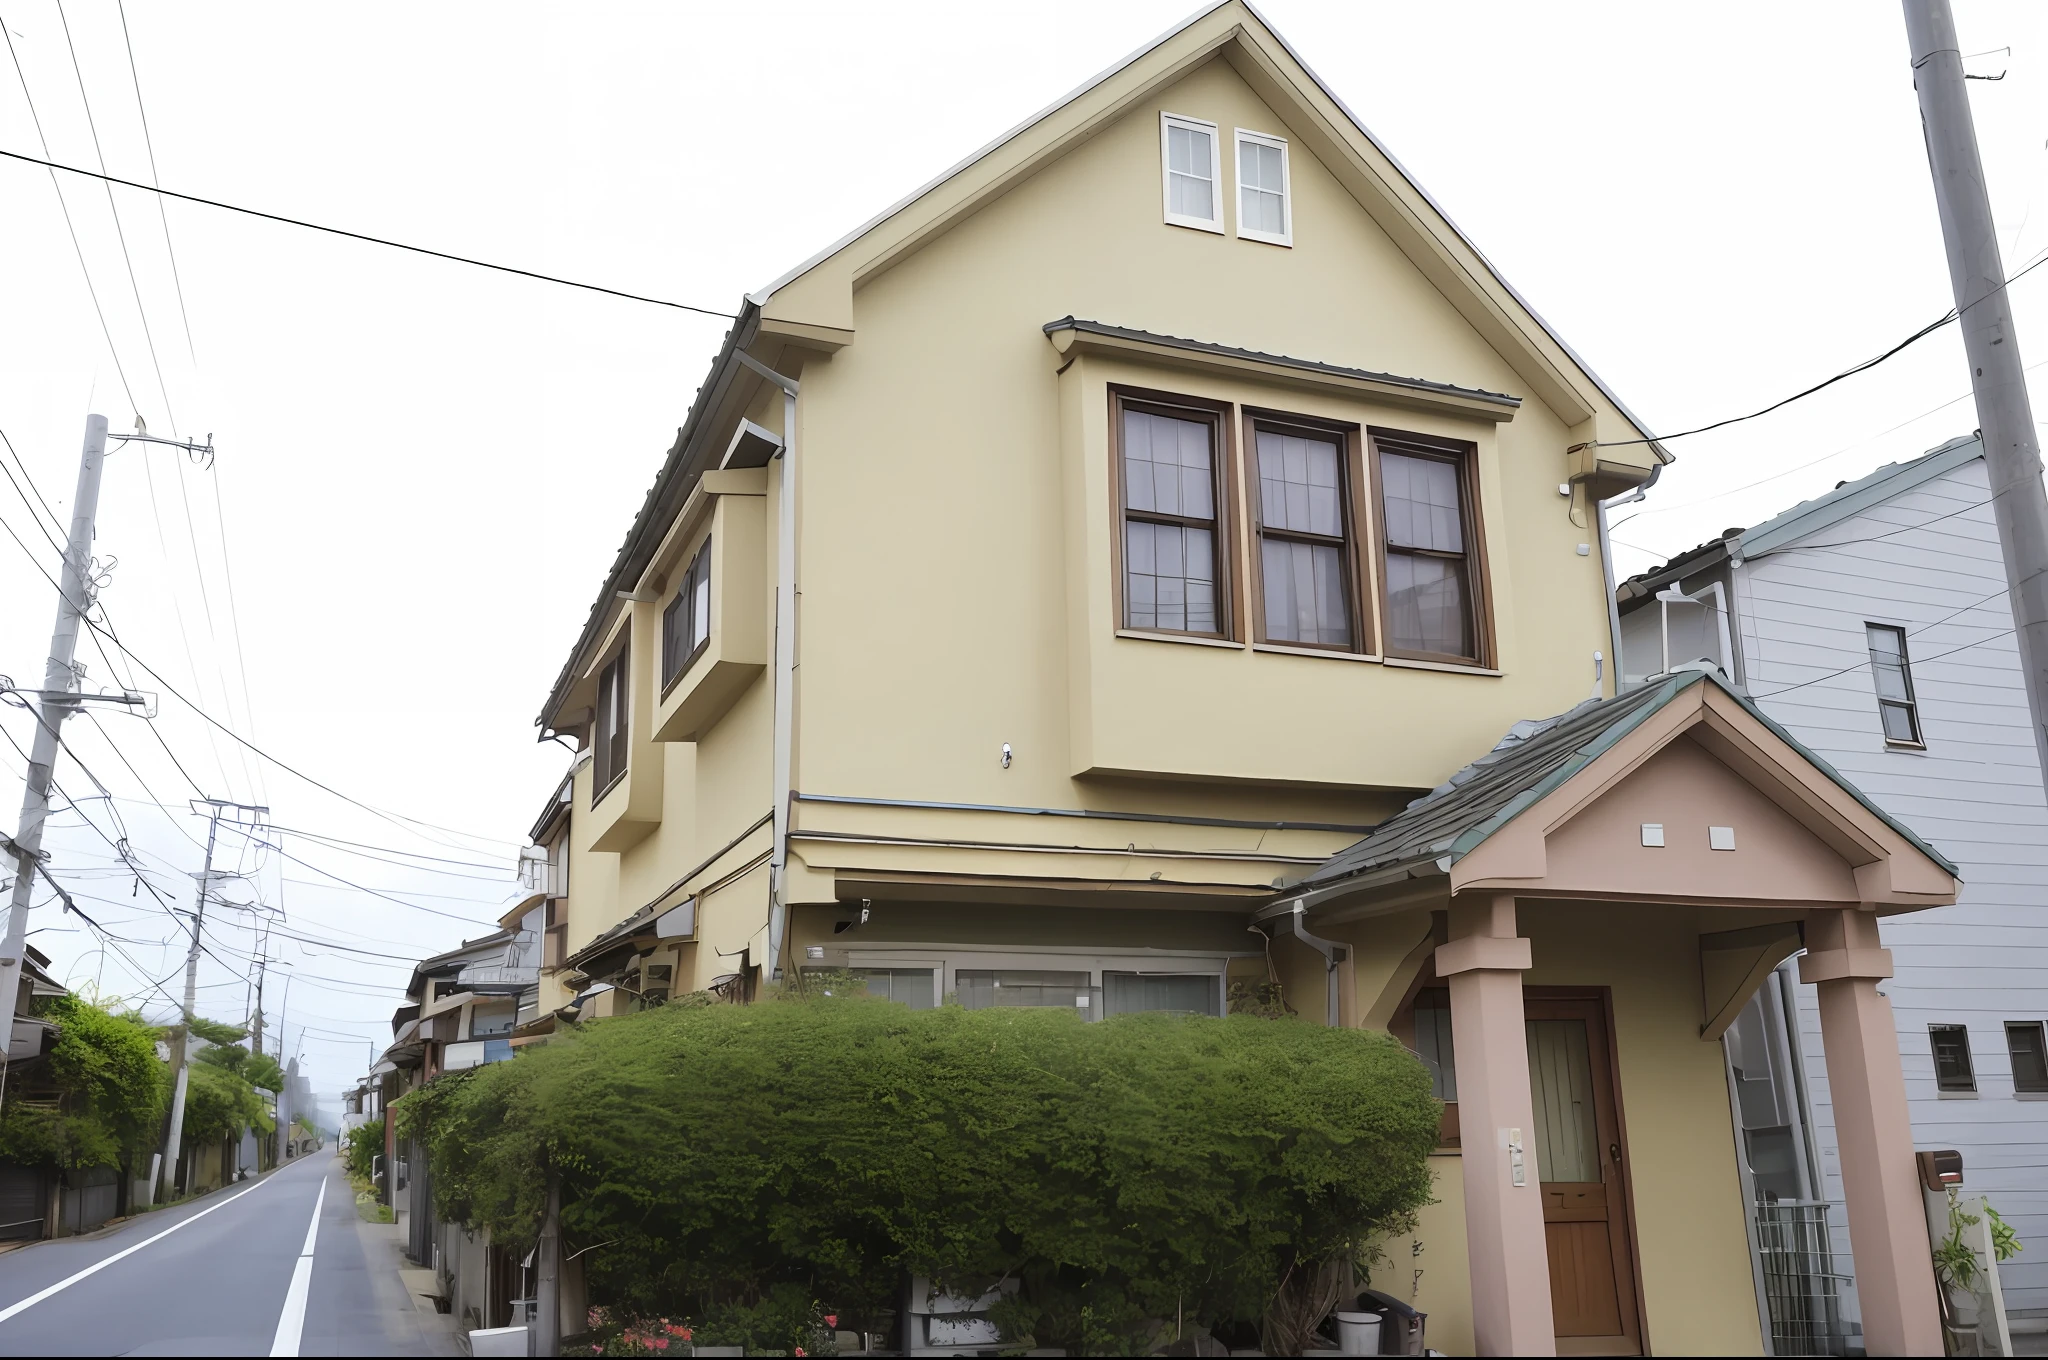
(228, 1274)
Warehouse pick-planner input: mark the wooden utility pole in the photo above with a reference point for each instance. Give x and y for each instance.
(2005, 414)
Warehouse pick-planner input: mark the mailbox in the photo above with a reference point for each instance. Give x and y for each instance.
(1939, 1170)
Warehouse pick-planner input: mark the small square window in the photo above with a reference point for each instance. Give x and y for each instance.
(1265, 211)
(2025, 1041)
(1952, 1068)
(1191, 172)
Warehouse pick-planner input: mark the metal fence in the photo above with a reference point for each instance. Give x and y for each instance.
(1801, 1284)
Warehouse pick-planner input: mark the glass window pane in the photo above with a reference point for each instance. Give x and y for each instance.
(700, 597)
(1422, 496)
(1169, 465)
(1886, 644)
(1191, 993)
(1299, 484)
(2029, 1056)
(1898, 722)
(1891, 681)
(915, 987)
(1426, 606)
(1952, 1069)
(983, 988)
(1305, 597)
(1169, 577)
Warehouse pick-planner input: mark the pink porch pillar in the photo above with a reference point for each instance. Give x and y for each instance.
(1887, 1221)
(1510, 1264)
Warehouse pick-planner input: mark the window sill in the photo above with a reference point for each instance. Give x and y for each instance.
(1195, 224)
(689, 661)
(1285, 242)
(1327, 653)
(1455, 668)
(1956, 1095)
(2030, 1095)
(1189, 639)
(1917, 748)
(616, 780)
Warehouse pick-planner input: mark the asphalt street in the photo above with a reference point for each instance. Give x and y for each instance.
(279, 1266)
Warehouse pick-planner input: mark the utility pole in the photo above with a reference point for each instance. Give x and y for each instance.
(181, 1042)
(283, 1131)
(256, 1016)
(2005, 414)
(54, 704)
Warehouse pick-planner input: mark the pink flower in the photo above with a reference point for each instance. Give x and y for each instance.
(800, 1350)
(684, 1333)
(831, 1319)
(661, 1343)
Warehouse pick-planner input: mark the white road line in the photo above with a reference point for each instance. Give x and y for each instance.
(293, 1320)
(94, 1269)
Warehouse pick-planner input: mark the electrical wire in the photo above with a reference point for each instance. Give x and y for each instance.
(69, 225)
(54, 166)
(1850, 372)
(387, 849)
(143, 113)
(120, 233)
(432, 911)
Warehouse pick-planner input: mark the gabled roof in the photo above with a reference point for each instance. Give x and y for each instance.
(1788, 527)
(1532, 760)
(812, 303)
(1368, 170)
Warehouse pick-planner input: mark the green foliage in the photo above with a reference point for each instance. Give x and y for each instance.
(111, 1091)
(365, 1145)
(257, 1069)
(219, 1104)
(214, 1032)
(1954, 1260)
(1123, 1170)
(1264, 999)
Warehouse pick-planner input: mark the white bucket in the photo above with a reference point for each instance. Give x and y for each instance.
(1358, 1333)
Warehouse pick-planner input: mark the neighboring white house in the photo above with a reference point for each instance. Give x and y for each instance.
(1873, 624)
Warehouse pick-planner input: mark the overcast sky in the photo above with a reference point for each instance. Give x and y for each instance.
(423, 469)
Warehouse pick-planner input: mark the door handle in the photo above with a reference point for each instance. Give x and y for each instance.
(1614, 1152)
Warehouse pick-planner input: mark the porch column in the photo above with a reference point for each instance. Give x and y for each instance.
(1887, 1222)
(1510, 1264)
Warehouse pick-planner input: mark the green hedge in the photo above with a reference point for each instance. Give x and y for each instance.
(1137, 1168)
(113, 1091)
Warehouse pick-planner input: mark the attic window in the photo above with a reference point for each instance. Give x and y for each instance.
(1191, 171)
(1263, 210)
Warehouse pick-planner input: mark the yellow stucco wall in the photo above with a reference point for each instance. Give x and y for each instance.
(945, 615)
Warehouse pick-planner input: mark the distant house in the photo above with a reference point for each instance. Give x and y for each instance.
(460, 1012)
(1873, 624)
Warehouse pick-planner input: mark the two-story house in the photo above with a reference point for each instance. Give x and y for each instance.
(1873, 623)
(1059, 589)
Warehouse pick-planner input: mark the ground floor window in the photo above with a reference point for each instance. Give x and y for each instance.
(1093, 985)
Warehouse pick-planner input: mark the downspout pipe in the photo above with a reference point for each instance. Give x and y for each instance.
(1327, 948)
(785, 663)
(1600, 509)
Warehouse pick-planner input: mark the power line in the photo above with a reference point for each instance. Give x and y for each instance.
(1915, 632)
(69, 225)
(143, 113)
(373, 240)
(346, 883)
(1850, 372)
(362, 845)
(120, 233)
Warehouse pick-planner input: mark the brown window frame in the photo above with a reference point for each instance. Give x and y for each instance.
(611, 752)
(1352, 546)
(1223, 463)
(683, 606)
(1479, 603)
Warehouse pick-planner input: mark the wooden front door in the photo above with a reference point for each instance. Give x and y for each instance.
(1579, 1157)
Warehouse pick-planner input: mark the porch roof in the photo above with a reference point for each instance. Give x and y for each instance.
(1532, 760)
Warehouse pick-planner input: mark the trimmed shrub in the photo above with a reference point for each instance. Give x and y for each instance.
(365, 1146)
(112, 1091)
(1126, 1170)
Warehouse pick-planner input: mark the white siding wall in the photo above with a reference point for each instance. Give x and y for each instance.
(1975, 793)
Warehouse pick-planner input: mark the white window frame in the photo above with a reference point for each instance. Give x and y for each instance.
(947, 960)
(1174, 219)
(1282, 238)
